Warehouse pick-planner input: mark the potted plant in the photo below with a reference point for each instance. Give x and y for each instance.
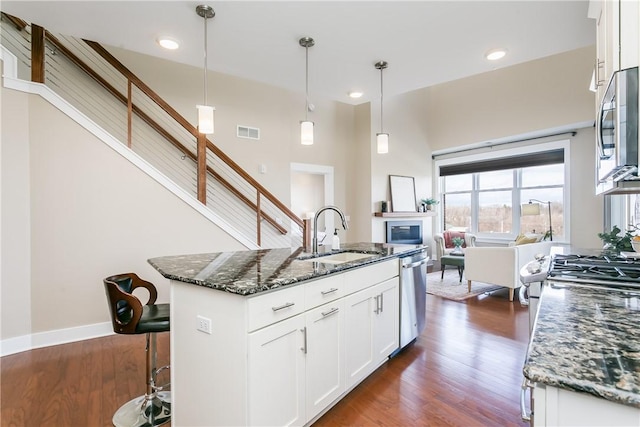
(616, 242)
(429, 202)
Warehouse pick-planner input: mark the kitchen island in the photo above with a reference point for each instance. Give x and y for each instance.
(276, 336)
(584, 357)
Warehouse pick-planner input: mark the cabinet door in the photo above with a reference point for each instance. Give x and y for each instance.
(324, 356)
(359, 320)
(386, 322)
(629, 33)
(558, 407)
(601, 53)
(276, 374)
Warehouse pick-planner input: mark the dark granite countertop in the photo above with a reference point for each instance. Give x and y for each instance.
(588, 340)
(250, 272)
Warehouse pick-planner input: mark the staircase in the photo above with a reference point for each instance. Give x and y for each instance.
(104, 90)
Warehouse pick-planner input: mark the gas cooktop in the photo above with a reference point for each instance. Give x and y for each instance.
(614, 270)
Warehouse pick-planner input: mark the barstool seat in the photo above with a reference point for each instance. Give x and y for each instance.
(129, 316)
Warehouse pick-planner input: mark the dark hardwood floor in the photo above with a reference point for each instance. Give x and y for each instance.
(464, 370)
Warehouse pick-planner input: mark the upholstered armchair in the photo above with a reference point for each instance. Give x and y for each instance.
(444, 241)
(501, 265)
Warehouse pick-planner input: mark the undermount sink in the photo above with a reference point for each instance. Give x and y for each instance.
(340, 258)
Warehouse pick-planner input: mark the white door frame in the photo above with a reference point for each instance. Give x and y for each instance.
(328, 174)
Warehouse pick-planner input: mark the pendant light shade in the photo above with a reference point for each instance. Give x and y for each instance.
(306, 126)
(205, 112)
(382, 142)
(306, 132)
(382, 139)
(206, 118)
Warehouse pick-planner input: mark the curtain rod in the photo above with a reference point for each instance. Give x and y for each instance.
(497, 144)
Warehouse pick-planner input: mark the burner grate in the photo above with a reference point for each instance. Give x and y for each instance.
(602, 268)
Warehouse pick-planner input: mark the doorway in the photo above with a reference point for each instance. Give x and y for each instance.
(311, 189)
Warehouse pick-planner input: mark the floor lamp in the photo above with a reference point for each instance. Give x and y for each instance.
(534, 209)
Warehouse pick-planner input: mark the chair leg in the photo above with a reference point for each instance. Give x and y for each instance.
(511, 292)
(468, 285)
(442, 272)
(152, 409)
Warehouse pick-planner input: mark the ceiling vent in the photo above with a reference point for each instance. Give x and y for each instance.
(247, 132)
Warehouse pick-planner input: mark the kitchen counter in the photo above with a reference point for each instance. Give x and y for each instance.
(246, 323)
(588, 340)
(251, 272)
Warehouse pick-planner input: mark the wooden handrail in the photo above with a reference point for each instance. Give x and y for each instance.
(192, 129)
(17, 22)
(155, 126)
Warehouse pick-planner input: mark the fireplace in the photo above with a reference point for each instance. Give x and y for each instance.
(406, 232)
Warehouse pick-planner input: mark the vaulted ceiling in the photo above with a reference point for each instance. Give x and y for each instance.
(424, 42)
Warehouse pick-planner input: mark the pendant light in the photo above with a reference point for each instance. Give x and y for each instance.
(205, 112)
(306, 126)
(382, 139)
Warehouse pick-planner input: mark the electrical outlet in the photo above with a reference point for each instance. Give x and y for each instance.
(204, 324)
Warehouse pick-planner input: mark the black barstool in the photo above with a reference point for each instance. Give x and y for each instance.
(129, 316)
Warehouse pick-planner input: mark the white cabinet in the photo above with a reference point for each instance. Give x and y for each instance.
(324, 356)
(386, 327)
(280, 357)
(629, 33)
(617, 38)
(296, 367)
(558, 407)
(605, 12)
(276, 374)
(371, 329)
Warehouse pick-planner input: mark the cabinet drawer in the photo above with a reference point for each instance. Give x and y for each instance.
(323, 291)
(369, 275)
(275, 306)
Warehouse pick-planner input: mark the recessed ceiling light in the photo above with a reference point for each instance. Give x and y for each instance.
(355, 94)
(495, 54)
(168, 43)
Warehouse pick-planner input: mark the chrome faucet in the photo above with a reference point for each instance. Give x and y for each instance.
(315, 224)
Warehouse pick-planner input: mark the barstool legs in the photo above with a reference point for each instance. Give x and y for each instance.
(152, 409)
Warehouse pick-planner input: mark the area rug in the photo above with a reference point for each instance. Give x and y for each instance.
(451, 288)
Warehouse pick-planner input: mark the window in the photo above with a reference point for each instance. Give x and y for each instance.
(484, 195)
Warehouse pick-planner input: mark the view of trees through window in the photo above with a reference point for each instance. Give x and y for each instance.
(489, 202)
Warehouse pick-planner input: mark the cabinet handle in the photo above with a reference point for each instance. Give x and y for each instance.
(377, 310)
(597, 67)
(304, 337)
(381, 303)
(416, 264)
(283, 306)
(330, 291)
(526, 384)
(330, 312)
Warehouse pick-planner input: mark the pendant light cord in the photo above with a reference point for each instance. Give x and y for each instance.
(381, 103)
(205, 60)
(306, 88)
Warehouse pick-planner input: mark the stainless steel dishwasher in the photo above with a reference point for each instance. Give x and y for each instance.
(413, 293)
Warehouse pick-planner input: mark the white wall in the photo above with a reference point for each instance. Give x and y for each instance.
(82, 212)
(536, 95)
(15, 230)
(275, 111)
(409, 155)
(530, 97)
(358, 185)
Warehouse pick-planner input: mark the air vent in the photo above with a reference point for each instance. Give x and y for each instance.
(247, 132)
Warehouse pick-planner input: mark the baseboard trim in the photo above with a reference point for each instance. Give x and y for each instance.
(55, 337)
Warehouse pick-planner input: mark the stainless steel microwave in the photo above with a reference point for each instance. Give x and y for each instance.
(617, 135)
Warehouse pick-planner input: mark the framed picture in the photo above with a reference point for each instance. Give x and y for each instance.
(403, 193)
